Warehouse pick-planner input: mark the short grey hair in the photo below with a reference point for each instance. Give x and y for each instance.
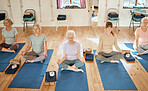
(70, 32)
(145, 18)
(37, 25)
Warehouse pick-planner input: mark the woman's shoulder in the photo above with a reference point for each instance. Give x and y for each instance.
(43, 35)
(4, 29)
(32, 36)
(138, 29)
(14, 29)
(65, 43)
(77, 42)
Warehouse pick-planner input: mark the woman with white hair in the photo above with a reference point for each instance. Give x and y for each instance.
(9, 37)
(141, 38)
(72, 58)
(38, 43)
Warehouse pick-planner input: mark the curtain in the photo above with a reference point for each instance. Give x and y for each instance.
(59, 4)
(82, 3)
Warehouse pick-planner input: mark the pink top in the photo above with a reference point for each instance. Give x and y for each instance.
(143, 36)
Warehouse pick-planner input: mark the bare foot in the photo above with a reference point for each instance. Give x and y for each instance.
(114, 61)
(140, 53)
(74, 69)
(29, 61)
(77, 70)
(63, 69)
(102, 62)
(12, 51)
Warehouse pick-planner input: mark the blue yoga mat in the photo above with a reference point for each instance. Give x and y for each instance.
(5, 57)
(31, 74)
(143, 59)
(72, 81)
(114, 76)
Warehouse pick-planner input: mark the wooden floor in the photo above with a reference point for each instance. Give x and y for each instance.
(89, 38)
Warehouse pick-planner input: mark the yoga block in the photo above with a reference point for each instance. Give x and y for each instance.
(87, 51)
(89, 57)
(10, 70)
(50, 76)
(129, 57)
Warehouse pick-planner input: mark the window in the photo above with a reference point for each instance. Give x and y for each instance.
(135, 4)
(70, 4)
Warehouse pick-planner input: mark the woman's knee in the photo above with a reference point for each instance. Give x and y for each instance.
(24, 56)
(78, 63)
(14, 47)
(62, 65)
(119, 55)
(99, 57)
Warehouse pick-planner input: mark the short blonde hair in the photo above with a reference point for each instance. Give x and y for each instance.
(70, 32)
(9, 20)
(37, 25)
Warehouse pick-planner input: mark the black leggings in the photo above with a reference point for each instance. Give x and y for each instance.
(12, 47)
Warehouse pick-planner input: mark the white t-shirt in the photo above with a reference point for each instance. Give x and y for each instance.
(71, 50)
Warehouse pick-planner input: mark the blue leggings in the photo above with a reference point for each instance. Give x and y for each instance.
(67, 63)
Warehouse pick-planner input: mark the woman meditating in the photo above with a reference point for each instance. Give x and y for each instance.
(72, 58)
(9, 37)
(105, 51)
(141, 38)
(38, 43)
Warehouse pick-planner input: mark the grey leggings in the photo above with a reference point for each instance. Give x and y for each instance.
(12, 47)
(67, 63)
(107, 57)
(34, 56)
(143, 48)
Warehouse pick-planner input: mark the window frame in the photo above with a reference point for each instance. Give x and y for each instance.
(71, 5)
(136, 6)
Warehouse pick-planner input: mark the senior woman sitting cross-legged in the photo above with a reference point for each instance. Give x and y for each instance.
(72, 58)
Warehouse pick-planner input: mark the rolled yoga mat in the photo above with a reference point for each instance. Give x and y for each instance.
(72, 81)
(143, 59)
(31, 74)
(114, 76)
(5, 57)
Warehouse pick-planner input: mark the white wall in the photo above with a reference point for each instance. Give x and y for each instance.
(95, 2)
(77, 17)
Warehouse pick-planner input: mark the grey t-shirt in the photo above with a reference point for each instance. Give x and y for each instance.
(37, 43)
(9, 35)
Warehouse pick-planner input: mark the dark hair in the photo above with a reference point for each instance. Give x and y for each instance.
(109, 24)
